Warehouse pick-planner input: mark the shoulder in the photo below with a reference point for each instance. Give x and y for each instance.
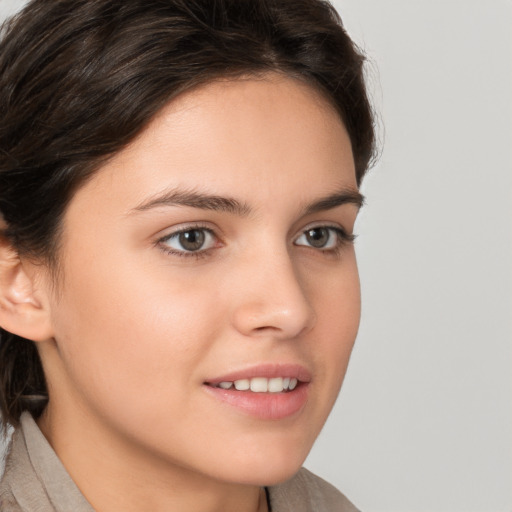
(306, 492)
(8, 502)
(34, 478)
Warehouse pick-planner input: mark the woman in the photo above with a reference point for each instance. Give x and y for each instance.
(179, 293)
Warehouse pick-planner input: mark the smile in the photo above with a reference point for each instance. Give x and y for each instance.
(267, 391)
(261, 384)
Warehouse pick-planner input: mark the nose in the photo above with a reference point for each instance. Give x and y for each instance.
(273, 299)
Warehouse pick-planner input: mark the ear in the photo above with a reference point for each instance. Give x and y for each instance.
(24, 310)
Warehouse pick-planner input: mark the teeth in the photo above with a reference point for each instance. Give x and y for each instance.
(242, 384)
(275, 385)
(261, 384)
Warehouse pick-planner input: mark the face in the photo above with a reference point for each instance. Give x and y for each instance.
(211, 255)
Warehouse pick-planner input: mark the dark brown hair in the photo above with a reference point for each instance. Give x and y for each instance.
(80, 79)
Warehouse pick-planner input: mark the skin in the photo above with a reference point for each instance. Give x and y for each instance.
(136, 330)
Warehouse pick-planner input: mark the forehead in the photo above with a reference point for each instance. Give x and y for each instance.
(230, 134)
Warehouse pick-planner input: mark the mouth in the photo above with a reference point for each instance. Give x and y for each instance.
(265, 392)
(259, 384)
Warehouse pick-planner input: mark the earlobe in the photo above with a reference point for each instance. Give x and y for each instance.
(23, 310)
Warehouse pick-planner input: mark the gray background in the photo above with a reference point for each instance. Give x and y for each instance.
(424, 422)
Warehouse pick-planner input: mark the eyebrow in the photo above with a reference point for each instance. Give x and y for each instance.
(346, 196)
(196, 200)
(230, 205)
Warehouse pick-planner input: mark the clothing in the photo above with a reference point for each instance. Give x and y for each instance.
(35, 481)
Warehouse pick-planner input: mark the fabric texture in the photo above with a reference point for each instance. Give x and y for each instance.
(35, 480)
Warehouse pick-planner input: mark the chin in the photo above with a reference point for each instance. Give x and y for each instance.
(268, 468)
(274, 476)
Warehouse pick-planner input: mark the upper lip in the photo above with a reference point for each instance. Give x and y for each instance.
(293, 371)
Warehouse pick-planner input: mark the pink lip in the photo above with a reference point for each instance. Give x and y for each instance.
(265, 406)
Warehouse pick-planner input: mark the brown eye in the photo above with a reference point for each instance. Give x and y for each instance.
(192, 240)
(317, 237)
(320, 237)
(189, 241)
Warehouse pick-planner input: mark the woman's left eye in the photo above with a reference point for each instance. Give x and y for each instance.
(193, 240)
(322, 238)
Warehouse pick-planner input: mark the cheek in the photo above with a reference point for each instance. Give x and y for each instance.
(137, 340)
(338, 307)
(336, 297)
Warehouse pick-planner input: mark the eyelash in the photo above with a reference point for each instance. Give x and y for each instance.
(186, 254)
(343, 239)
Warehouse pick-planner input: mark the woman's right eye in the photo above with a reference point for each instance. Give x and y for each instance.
(189, 241)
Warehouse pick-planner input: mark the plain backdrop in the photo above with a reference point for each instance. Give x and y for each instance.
(424, 422)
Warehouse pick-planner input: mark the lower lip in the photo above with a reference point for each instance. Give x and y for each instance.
(267, 406)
